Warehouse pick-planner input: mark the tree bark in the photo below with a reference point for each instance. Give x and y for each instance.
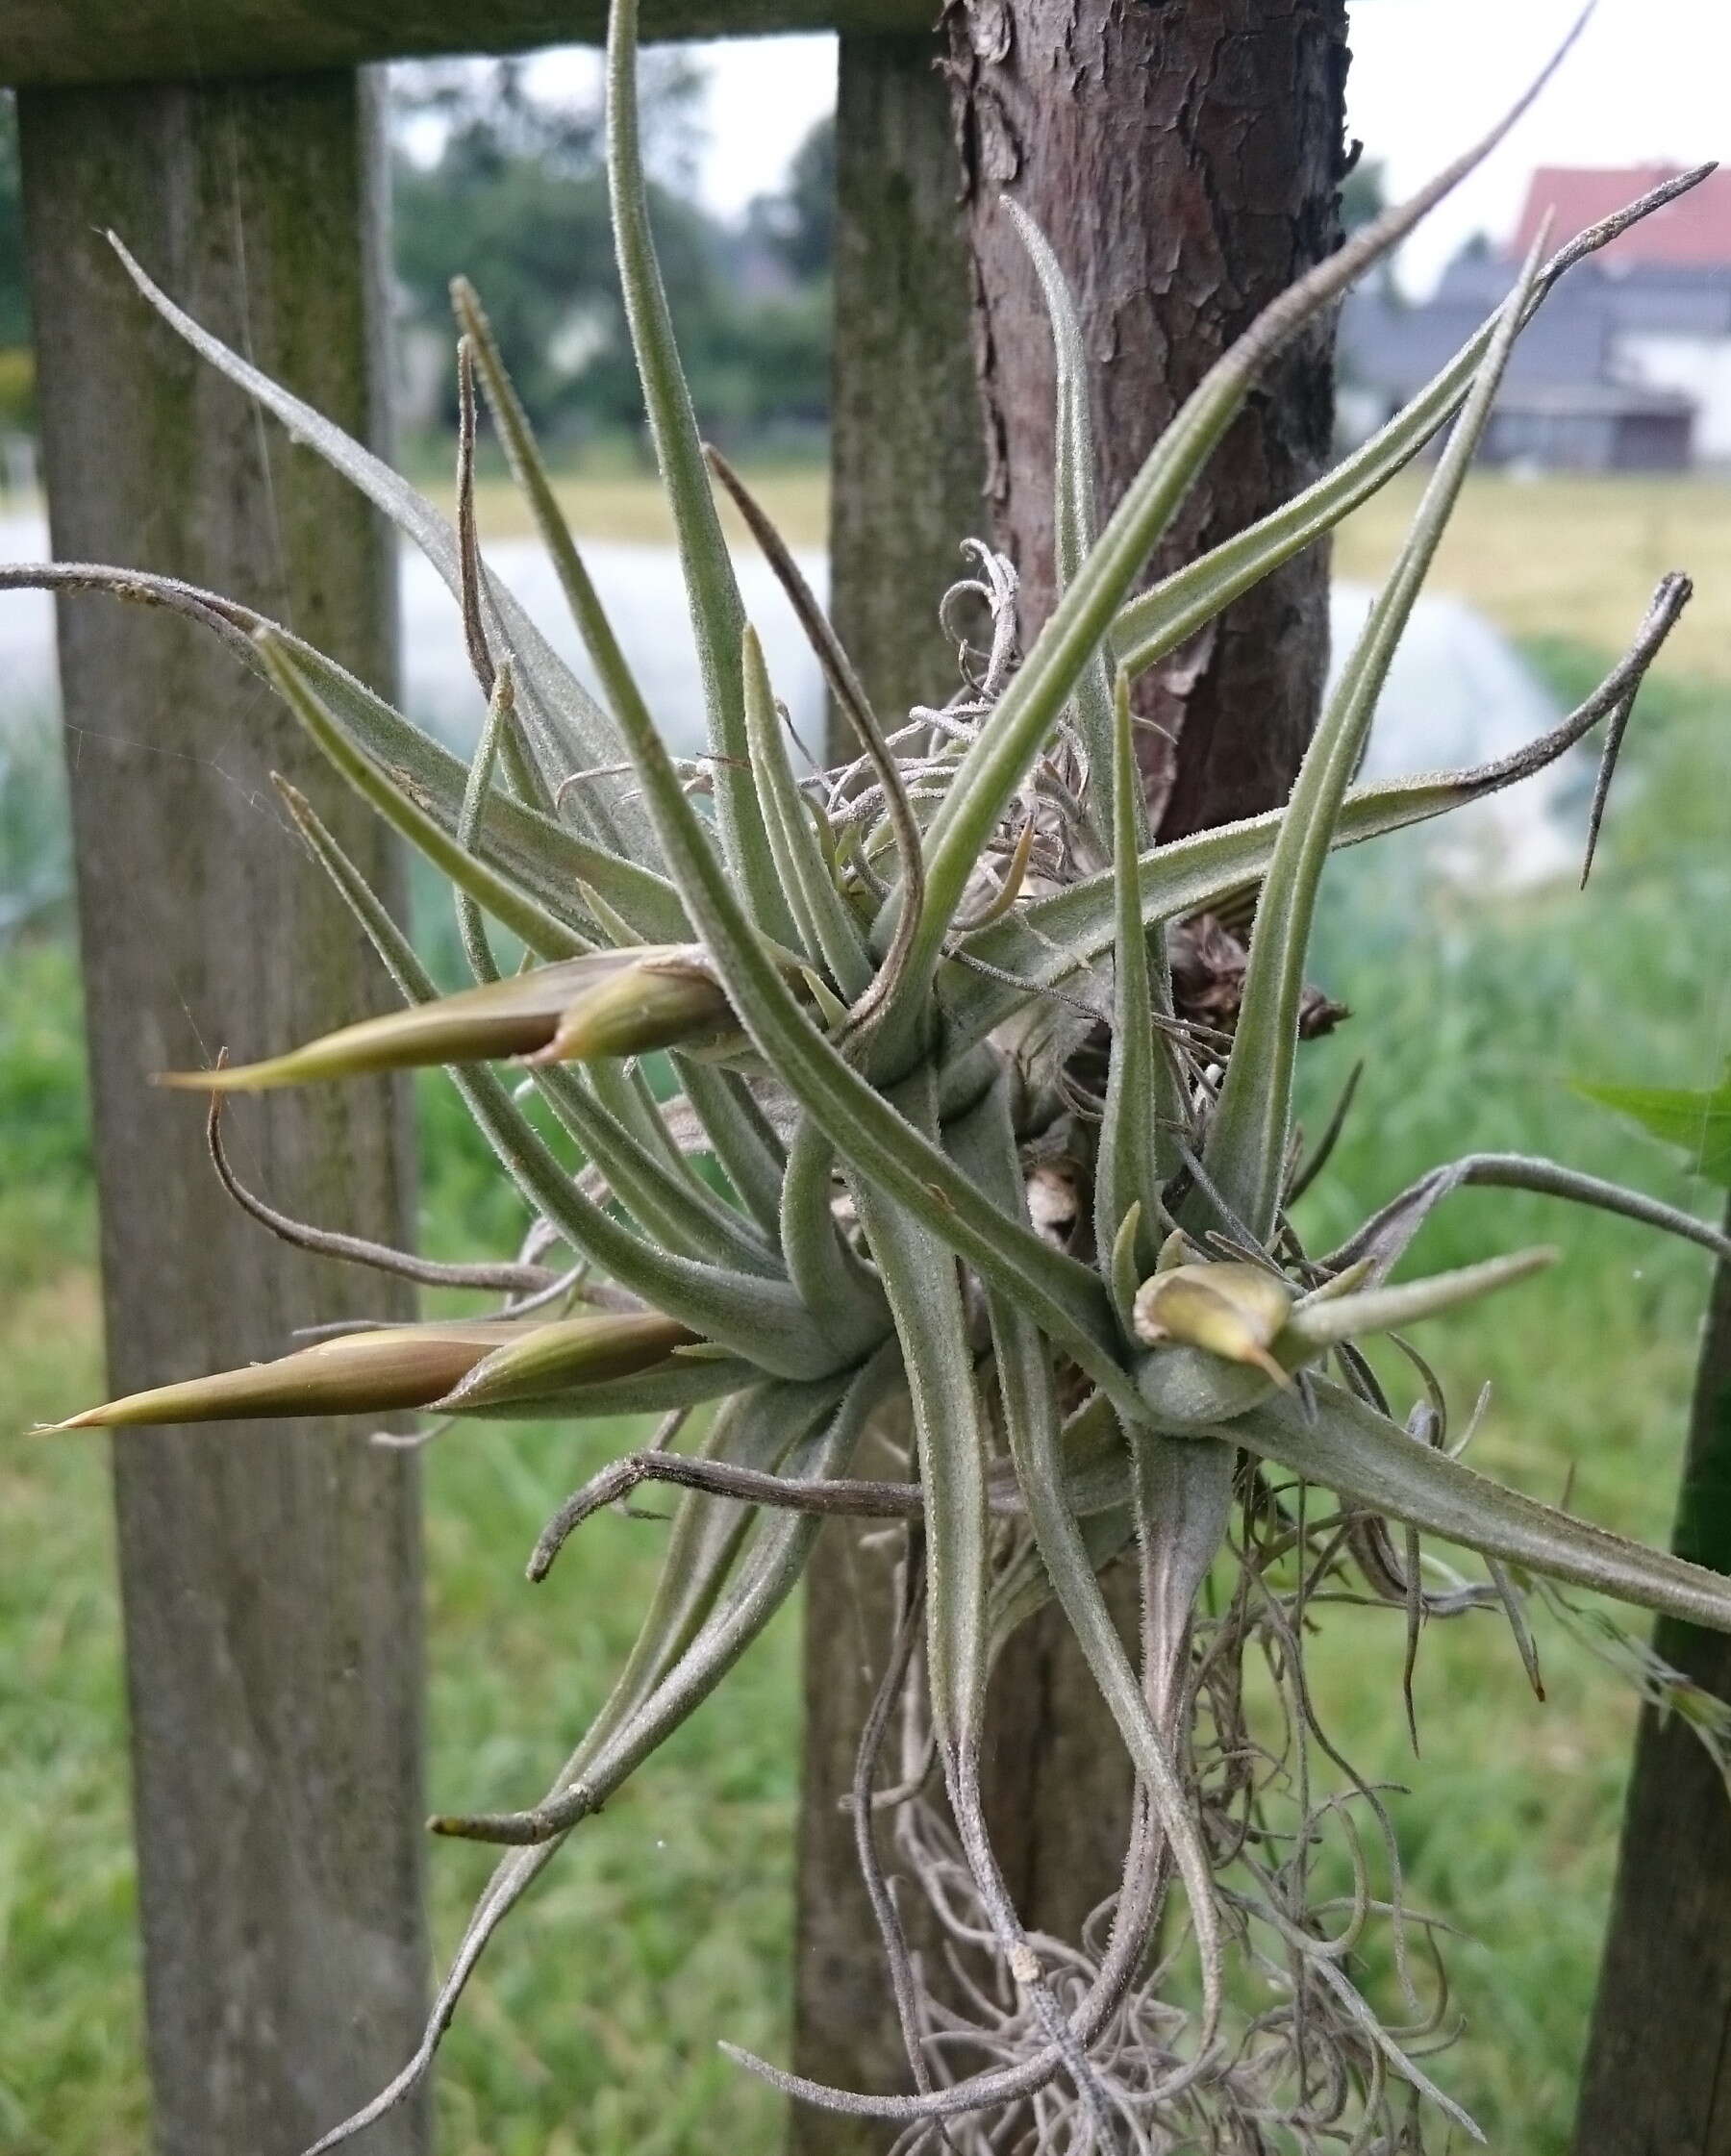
(270, 1573)
(1657, 2080)
(1185, 164)
(907, 472)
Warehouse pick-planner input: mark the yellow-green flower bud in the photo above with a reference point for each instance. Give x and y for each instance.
(605, 1003)
(1234, 1311)
(407, 1367)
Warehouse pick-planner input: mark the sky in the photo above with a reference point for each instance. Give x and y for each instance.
(1650, 79)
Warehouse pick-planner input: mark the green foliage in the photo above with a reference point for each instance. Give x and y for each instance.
(685, 1882)
(878, 1144)
(15, 302)
(47, 1178)
(800, 222)
(1699, 1122)
(1363, 193)
(515, 197)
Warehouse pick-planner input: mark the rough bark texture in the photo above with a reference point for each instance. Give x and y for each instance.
(270, 1573)
(1657, 2080)
(907, 470)
(1184, 162)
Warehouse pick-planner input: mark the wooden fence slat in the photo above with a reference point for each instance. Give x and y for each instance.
(1655, 2076)
(270, 1573)
(65, 41)
(908, 470)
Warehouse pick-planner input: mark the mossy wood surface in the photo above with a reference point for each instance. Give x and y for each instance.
(270, 1573)
(905, 491)
(1655, 2074)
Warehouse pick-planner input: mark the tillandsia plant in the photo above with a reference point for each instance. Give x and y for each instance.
(892, 995)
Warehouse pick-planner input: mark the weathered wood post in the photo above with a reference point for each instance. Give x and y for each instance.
(1655, 2074)
(907, 475)
(1185, 163)
(270, 1575)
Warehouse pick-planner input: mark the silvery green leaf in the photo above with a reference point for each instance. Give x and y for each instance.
(920, 1281)
(1322, 1320)
(832, 937)
(742, 1142)
(843, 1294)
(618, 684)
(543, 859)
(566, 728)
(995, 767)
(1159, 620)
(1386, 1236)
(673, 1208)
(1348, 1448)
(869, 1135)
(984, 1144)
(702, 1549)
(711, 591)
(1075, 520)
(760, 1319)
(1245, 1148)
(1052, 938)
(1145, 1108)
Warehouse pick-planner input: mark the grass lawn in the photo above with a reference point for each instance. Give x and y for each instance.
(1572, 555)
(664, 1924)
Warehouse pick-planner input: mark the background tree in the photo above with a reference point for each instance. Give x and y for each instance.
(512, 193)
(17, 372)
(799, 223)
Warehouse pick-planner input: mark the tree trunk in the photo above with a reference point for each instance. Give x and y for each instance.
(1658, 2071)
(1184, 161)
(1185, 164)
(270, 1573)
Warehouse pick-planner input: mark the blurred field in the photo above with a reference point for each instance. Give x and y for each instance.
(1571, 556)
(591, 2031)
(618, 502)
(1543, 556)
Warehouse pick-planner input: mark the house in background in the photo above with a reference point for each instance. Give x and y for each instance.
(1627, 366)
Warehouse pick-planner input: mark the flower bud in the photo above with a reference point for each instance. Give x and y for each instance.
(410, 1367)
(570, 1352)
(1234, 1311)
(605, 1003)
(356, 1373)
(656, 1002)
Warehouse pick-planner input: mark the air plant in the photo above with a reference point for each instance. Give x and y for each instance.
(887, 992)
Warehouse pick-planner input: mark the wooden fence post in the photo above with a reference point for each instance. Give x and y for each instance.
(270, 1573)
(907, 473)
(1655, 2074)
(1185, 162)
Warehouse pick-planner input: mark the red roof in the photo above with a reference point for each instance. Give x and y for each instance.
(1691, 233)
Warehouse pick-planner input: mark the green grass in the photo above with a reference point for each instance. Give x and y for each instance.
(664, 1926)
